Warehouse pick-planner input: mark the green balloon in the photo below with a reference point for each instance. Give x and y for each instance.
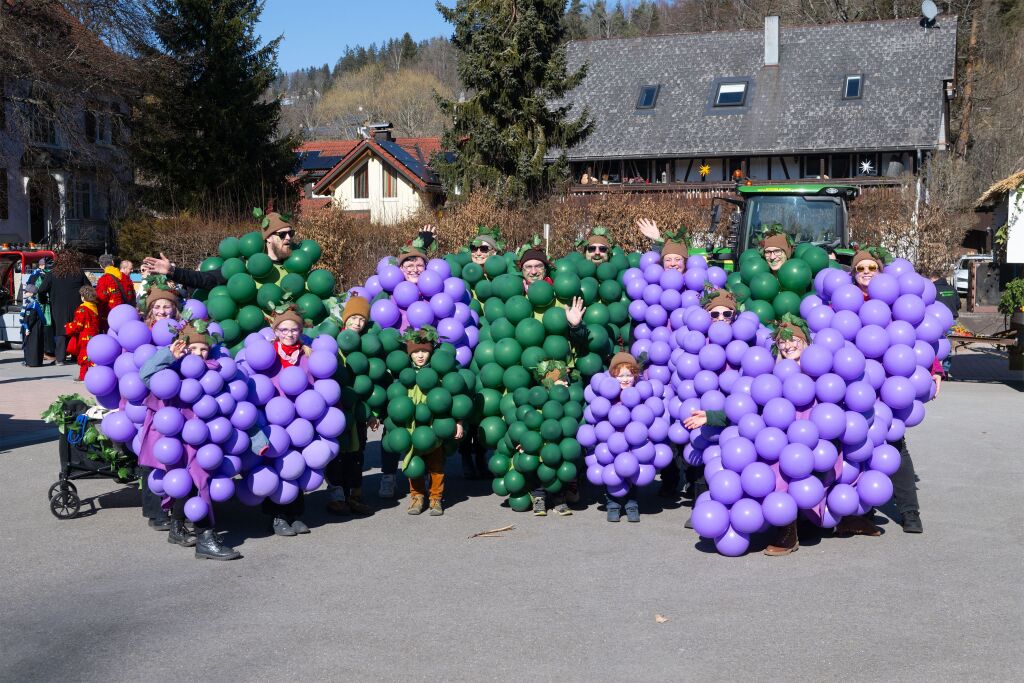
(499, 464)
(586, 268)
(502, 329)
(531, 442)
(232, 330)
(764, 286)
(389, 340)
(250, 244)
(311, 307)
(484, 352)
(507, 286)
(550, 430)
(269, 295)
(530, 332)
(749, 255)
(399, 441)
(618, 312)
(444, 428)
(515, 377)
(415, 468)
(495, 265)
(516, 431)
(494, 309)
(232, 267)
(454, 383)
(532, 356)
(363, 386)
(795, 276)
(357, 362)
(221, 308)
(546, 474)
(293, 284)
(320, 282)
(552, 410)
(559, 393)
(427, 378)
(472, 273)
(507, 352)
(492, 429)
(211, 264)
(396, 390)
(551, 455)
(589, 364)
(401, 410)
(423, 439)
(298, 263)
(554, 321)
(571, 449)
(462, 407)
(377, 370)
(439, 401)
(348, 341)
(242, 288)
(537, 398)
(566, 472)
(484, 290)
(609, 291)
(588, 290)
(229, 248)
(816, 258)
(250, 319)
(407, 377)
(753, 267)
(786, 302)
(574, 410)
(518, 308)
(596, 314)
(541, 294)
(491, 375)
(520, 503)
(576, 393)
(311, 249)
(741, 291)
(498, 486)
(569, 426)
(732, 280)
(764, 310)
(607, 272)
(491, 403)
(597, 339)
(567, 285)
(556, 347)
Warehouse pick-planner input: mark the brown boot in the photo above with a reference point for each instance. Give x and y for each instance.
(856, 525)
(415, 505)
(785, 541)
(339, 507)
(356, 504)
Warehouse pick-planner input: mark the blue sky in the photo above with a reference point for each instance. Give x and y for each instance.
(316, 33)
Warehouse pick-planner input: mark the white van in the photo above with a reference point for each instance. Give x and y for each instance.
(962, 267)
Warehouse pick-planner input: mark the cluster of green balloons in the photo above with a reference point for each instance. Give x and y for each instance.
(773, 294)
(363, 371)
(254, 283)
(539, 449)
(424, 404)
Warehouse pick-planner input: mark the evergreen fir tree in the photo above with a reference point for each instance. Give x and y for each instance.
(575, 28)
(207, 136)
(512, 62)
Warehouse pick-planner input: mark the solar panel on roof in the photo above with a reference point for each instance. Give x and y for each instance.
(408, 160)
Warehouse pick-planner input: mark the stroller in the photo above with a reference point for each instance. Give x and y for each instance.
(80, 457)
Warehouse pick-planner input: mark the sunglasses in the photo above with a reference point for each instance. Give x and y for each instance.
(599, 248)
(715, 315)
(482, 248)
(285, 234)
(870, 268)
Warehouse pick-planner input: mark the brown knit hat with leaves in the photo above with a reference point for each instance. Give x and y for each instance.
(795, 329)
(721, 298)
(678, 248)
(290, 313)
(275, 223)
(156, 294)
(778, 241)
(864, 255)
(356, 305)
(598, 239)
(191, 335)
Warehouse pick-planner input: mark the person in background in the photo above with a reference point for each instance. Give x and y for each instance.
(946, 295)
(112, 289)
(84, 326)
(36, 278)
(33, 322)
(126, 267)
(61, 286)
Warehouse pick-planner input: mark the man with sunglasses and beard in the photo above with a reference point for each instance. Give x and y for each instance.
(278, 237)
(598, 246)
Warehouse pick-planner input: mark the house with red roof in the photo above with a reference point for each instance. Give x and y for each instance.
(383, 178)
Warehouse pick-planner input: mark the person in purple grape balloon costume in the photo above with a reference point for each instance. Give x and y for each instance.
(867, 263)
(193, 340)
(625, 369)
(672, 246)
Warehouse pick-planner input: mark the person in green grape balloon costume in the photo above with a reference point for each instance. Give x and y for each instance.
(776, 247)
(597, 246)
(486, 243)
(277, 233)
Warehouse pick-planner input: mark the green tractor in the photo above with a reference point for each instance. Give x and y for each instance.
(810, 212)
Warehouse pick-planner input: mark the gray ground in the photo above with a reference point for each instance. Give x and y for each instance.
(391, 597)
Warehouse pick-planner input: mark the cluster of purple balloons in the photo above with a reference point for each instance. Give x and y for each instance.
(625, 432)
(194, 417)
(297, 414)
(437, 298)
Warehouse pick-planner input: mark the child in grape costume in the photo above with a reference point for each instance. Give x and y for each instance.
(626, 434)
(254, 271)
(427, 406)
(187, 490)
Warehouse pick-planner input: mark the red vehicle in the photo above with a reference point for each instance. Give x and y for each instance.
(15, 266)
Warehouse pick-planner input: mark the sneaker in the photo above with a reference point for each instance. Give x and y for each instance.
(563, 510)
(415, 505)
(299, 527)
(912, 522)
(387, 486)
(435, 507)
(281, 527)
(614, 511)
(632, 511)
(540, 506)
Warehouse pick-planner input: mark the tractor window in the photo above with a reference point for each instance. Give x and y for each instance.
(806, 219)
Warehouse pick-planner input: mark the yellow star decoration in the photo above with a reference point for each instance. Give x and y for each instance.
(704, 170)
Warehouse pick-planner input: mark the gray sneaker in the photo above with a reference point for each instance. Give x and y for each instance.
(563, 510)
(540, 506)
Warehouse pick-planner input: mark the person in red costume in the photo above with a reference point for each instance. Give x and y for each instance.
(112, 289)
(83, 326)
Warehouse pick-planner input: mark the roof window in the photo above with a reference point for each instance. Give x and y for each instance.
(648, 97)
(851, 91)
(731, 94)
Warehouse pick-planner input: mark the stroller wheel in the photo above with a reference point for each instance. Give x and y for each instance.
(63, 486)
(65, 504)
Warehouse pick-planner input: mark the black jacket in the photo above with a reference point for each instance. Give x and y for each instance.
(945, 294)
(62, 293)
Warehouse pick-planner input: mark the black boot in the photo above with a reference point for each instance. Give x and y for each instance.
(209, 547)
(179, 535)
(162, 523)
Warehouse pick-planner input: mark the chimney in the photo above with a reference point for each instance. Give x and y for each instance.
(771, 41)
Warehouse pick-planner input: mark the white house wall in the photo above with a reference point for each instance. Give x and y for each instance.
(385, 211)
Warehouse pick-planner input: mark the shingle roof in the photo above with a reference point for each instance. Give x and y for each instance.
(794, 107)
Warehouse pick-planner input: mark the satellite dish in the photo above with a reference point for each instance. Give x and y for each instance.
(929, 10)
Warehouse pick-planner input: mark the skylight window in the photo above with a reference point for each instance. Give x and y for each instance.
(731, 95)
(853, 87)
(648, 97)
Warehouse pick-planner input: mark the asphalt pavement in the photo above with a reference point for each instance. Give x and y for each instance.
(392, 597)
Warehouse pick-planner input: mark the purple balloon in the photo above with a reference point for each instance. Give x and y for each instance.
(847, 297)
(746, 516)
(733, 543)
(101, 380)
(177, 483)
(909, 308)
(872, 340)
(133, 334)
(119, 315)
(430, 283)
(260, 354)
(168, 421)
(103, 349)
(262, 481)
(757, 361)
(874, 488)
(131, 387)
(819, 318)
(807, 492)
(117, 426)
(830, 420)
(322, 365)
(799, 389)
(898, 393)
(384, 312)
(825, 456)
(725, 487)
(221, 489)
(293, 380)
(331, 424)
(156, 481)
(885, 288)
(405, 294)
(779, 508)
(738, 453)
(860, 396)
(195, 432)
(710, 519)
(210, 456)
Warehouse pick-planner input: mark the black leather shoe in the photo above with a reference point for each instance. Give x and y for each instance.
(160, 523)
(282, 528)
(179, 535)
(912, 522)
(299, 527)
(209, 547)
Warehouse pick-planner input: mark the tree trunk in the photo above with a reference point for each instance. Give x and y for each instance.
(964, 137)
